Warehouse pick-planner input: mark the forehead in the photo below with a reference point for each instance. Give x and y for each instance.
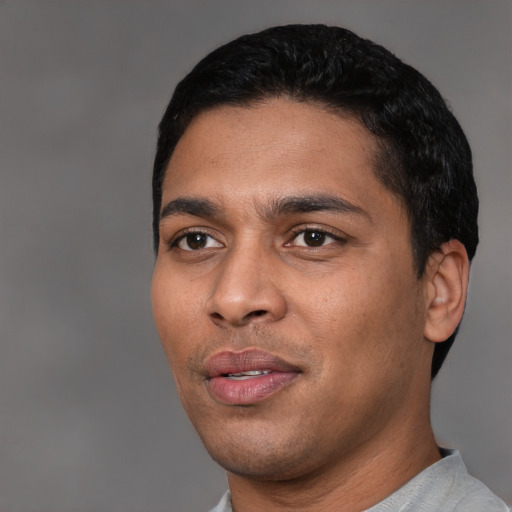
(276, 148)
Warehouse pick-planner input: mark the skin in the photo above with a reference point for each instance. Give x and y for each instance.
(333, 292)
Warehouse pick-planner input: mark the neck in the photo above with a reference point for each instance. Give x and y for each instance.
(361, 478)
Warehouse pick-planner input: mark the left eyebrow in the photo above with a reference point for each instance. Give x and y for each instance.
(315, 203)
(197, 207)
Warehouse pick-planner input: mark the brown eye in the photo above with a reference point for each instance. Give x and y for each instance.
(196, 242)
(313, 238)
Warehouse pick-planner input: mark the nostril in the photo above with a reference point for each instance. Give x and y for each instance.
(259, 312)
(219, 319)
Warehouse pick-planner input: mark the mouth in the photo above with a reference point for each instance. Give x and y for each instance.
(250, 374)
(247, 377)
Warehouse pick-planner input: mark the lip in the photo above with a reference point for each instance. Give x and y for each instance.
(252, 389)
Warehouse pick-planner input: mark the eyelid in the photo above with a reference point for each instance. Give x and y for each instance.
(337, 235)
(180, 235)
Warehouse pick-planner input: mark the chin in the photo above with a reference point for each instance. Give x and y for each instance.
(269, 468)
(261, 456)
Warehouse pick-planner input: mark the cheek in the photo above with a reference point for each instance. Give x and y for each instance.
(175, 309)
(346, 301)
(176, 314)
(372, 314)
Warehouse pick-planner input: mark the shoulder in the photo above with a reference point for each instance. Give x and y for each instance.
(445, 486)
(473, 495)
(467, 493)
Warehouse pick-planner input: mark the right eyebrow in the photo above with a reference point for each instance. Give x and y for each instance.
(190, 206)
(316, 203)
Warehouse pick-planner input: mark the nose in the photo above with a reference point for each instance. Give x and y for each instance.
(245, 290)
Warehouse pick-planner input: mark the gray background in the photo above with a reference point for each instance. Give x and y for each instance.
(89, 419)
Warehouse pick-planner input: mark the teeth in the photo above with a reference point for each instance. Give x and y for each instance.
(247, 375)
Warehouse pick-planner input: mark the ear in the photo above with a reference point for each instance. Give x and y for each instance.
(448, 275)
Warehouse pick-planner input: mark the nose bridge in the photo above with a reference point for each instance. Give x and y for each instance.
(245, 290)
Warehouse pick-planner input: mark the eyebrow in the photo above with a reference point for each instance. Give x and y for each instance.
(315, 203)
(190, 206)
(289, 205)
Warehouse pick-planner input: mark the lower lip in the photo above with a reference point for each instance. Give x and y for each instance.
(248, 391)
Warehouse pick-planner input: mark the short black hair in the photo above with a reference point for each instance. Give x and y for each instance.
(424, 156)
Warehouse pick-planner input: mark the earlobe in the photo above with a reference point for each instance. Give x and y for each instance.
(448, 275)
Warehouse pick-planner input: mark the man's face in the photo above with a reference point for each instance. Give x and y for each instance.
(285, 292)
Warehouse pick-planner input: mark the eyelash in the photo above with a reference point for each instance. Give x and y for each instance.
(315, 229)
(174, 243)
(296, 232)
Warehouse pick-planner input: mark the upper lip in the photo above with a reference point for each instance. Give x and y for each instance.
(228, 362)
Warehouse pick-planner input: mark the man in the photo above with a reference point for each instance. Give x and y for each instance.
(315, 214)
